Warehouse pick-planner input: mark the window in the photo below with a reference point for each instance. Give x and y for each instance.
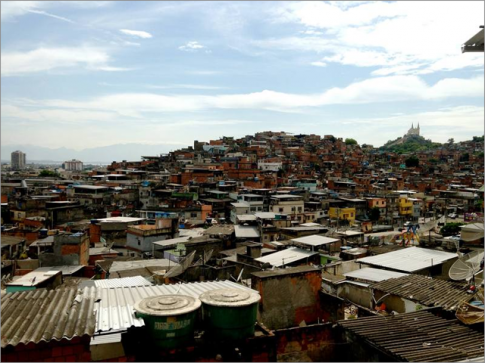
(299, 209)
(351, 214)
(193, 215)
(292, 209)
(280, 210)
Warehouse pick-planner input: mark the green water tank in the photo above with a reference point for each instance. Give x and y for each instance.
(229, 314)
(169, 318)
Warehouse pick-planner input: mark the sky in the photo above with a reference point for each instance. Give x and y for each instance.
(88, 74)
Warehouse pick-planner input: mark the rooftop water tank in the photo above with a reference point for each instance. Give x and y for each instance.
(169, 318)
(229, 314)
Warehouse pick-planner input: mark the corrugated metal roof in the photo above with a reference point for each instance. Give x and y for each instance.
(171, 241)
(131, 265)
(418, 337)
(285, 257)
(246, 231)
(428, 291)
(45, 315)
(65, 269)
(33, 278)
(409, 259)
(373, 274)
(315, 240)
(101, 251)
(114, 310)
(122, 282)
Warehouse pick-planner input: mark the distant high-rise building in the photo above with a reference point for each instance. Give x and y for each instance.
(18, 160)
(73, 165)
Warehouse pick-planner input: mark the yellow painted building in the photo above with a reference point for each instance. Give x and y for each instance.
(405, 206)
(342, 213)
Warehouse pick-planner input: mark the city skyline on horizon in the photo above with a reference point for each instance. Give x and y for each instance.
(85, 75)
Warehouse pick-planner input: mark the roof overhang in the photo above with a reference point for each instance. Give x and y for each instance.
(474, 44)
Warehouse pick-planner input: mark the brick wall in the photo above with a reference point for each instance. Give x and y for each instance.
(75, 350)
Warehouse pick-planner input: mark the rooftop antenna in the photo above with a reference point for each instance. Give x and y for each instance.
(466, 267)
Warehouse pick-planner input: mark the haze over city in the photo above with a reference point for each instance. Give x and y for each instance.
(83, 75)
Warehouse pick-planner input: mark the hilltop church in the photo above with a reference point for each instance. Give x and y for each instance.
(413, 131)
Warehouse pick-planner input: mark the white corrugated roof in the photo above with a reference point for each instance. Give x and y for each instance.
(246, 217)
(246, 231)
(285, 257)
(409, 259)
(122, 282)
(373, 274)
(131, 265)
(120, 219)
(171, 241)
(315, 240)
(114, 307)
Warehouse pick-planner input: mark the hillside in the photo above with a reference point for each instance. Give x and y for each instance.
(408, 144)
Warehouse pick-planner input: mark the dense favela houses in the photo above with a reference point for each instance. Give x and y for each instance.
(302, 246)
(243, 249)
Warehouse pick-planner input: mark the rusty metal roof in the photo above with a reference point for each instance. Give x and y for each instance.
(45, 315)
(428, 291)
(418, 337)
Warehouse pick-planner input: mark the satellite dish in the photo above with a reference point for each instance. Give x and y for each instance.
(184, 265)
(467, 266)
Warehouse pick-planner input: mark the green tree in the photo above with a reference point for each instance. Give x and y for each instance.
(48, 173)
(412, 161)
(350, 142)
(450, 229)
(374, 214)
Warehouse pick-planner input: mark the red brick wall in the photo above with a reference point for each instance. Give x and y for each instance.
(75, 350)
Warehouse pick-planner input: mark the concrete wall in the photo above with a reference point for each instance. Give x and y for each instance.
(357, 294)
(145, 242)
(289, 296)
(340, 268)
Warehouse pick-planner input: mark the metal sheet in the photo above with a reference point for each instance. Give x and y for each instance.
(122, 282)
(373, 274)
(315, 240)
(42, 315)
(246, 231)
(114, 307)
(285, 257)
(409, 259)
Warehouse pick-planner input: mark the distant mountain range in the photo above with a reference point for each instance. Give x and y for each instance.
(102, 155)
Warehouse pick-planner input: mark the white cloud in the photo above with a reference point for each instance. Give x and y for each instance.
(11, 9)
(402, 37)
(45, 59)
(187, 86)
(137, 33)
(193, 46)
(318, 64)
(374, 90)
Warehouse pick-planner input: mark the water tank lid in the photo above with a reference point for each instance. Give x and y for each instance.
(167, 305)
(229, 297)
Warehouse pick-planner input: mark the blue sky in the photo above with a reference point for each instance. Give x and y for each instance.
(86, 74)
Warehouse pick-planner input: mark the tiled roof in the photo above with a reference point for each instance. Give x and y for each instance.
(43, 315)
(418, 337)
(428, 291)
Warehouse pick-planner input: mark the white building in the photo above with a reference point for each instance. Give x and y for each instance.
(18, 160)
(262, 165)
(73, 165)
